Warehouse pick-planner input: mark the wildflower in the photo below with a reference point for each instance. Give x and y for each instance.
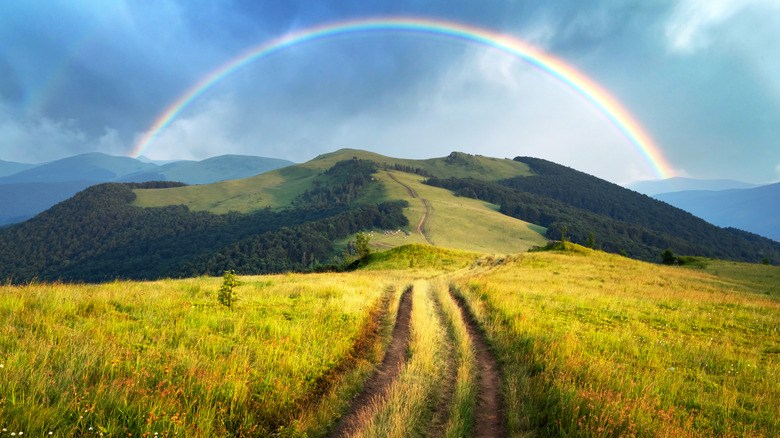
(1, 365)
(90, 428)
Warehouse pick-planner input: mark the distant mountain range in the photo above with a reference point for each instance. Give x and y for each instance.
(28, 189)
(10, 167)
(678, 184)
(756, 210)
(726, 203)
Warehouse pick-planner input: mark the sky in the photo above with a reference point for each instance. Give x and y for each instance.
(700, 76)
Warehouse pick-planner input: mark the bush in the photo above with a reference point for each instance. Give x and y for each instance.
(227, 295)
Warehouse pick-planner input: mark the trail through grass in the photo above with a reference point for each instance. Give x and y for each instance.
(589, 344)
(599, 345)
(165, 357)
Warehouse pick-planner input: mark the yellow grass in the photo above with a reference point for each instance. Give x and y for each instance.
(600, 345)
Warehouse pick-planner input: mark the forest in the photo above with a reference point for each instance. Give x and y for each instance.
(621, 221)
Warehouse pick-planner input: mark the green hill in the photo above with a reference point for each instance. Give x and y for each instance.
(301, 217)
(447, 220)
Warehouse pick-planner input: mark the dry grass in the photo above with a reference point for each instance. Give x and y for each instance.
(598, 345)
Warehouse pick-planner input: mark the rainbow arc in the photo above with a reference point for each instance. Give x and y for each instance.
(599, 98)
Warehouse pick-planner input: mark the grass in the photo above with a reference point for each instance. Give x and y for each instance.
(599, 345)
(465, 385)
(461, 223)
(164, 357)
(589, 344)
(409, 409)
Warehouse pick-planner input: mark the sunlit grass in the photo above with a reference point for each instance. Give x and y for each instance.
(599, 345)
(164, 357)
(409, 408)
(589, 344)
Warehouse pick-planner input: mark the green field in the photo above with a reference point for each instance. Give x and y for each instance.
(589, 344)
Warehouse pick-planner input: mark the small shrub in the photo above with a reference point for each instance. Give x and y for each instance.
(668, 258)
(227, 295)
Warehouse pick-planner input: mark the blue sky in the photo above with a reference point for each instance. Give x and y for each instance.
(699, 75)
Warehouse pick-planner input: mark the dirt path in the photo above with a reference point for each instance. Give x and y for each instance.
(426, 208)
(489, 412)
(378, 385)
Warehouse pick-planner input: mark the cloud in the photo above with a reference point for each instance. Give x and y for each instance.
(693, 23)
(35, 139)
(206, 131)
(495, 105)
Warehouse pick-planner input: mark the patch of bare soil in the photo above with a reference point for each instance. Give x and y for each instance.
(489, 412)
(378, 385)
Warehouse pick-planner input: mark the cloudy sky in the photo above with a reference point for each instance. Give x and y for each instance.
(701, 76)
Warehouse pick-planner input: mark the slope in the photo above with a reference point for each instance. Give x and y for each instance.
(445, 220)
(278, 188)
(34, 188)
(561, 198)
(210, 170)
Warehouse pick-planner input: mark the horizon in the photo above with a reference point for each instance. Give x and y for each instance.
(146, 159)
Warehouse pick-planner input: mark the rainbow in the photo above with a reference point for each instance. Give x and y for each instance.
(565, 73)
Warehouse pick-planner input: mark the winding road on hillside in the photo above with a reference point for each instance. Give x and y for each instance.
(427, 208)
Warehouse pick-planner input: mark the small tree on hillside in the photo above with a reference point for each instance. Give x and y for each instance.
(591, 242)
(227, 296)
(361, 245)
(668, 258)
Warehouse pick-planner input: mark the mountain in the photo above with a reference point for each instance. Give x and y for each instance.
(210, 170)
(756, 210)
(94, 166)
(572, 203)
(10, 167)
(302, 216)
(678, 184)
(33, 189)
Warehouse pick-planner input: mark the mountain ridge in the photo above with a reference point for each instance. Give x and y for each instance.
(37, 187)
(301, 217)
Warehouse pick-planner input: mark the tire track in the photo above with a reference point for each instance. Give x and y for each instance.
(378, 385)
(426, 208)
(489, 414)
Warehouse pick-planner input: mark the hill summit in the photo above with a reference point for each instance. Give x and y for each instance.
(301, 217)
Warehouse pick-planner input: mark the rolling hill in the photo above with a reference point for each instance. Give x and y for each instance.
(30, 189)
(300, 217)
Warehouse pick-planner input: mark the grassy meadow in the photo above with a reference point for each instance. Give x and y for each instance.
(594, 344)
(165, 358)
(589, 344)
